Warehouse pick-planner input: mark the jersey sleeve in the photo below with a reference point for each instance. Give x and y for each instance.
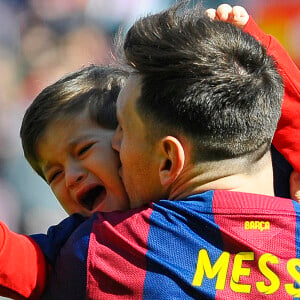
(23, 268)
(57, 235)
(287, 136)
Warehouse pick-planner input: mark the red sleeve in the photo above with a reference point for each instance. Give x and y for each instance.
(23, 267)
(287, 136)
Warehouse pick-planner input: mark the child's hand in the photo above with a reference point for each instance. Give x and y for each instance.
(295, 186)
(236, 15)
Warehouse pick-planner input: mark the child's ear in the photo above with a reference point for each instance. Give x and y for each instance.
(172, 162)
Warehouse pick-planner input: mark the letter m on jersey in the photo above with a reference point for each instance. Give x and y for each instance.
(205, 268)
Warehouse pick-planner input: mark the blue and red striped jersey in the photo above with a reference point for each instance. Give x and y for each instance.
(215, 245)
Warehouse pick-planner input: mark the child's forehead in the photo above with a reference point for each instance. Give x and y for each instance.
(65, 134)
(66, 113)
(74, 124)
(66, 124)
(68, 118)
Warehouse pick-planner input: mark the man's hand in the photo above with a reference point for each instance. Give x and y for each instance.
(295, 186)
(236, 15)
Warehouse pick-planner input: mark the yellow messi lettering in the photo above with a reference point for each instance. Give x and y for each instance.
(238, 271)
(219, 269)
(270, 275)
(292, 266)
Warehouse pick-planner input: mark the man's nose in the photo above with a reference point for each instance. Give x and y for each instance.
(116, 139)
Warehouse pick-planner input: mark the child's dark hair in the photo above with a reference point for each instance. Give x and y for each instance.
(95, 88)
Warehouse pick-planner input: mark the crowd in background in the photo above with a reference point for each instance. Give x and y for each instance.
(41, 40)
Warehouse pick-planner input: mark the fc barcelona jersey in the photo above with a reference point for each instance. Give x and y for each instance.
(215, 245)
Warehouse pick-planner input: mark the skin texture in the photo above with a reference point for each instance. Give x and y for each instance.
(79, 164)
(295, 186)
(236, 15)
(139, 162)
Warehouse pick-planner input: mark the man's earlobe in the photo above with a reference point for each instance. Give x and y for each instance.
(172, 160)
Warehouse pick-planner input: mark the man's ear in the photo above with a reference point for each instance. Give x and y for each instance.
(173, 158)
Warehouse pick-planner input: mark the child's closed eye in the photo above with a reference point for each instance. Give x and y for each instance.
(53, 175)
(83, 149)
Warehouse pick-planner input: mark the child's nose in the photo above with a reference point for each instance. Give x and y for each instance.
(74, 175)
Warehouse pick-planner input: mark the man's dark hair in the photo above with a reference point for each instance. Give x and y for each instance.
(207, 79)
(94, 88)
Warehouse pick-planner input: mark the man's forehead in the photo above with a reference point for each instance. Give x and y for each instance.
(130, 92)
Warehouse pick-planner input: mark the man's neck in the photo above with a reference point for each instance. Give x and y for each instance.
(192, 181)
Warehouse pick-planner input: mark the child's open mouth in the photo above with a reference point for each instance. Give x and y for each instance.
(92, 198)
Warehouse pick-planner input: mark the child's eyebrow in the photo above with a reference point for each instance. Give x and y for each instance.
(80, 139)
